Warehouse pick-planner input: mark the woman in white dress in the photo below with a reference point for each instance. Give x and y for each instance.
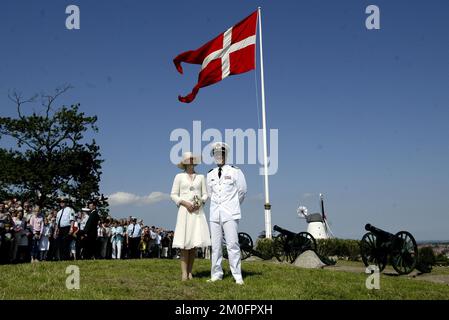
(44, 243)
(192, 231)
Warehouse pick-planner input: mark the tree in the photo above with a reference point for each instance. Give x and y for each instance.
(51, 158)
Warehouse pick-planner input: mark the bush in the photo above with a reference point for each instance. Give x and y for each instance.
(427, 256)
(426, 260)
(265, 247)
(441, 260)
(342, 248)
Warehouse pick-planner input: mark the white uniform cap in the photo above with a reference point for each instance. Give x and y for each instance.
(219, 146)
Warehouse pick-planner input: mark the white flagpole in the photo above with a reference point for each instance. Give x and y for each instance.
(267, 205)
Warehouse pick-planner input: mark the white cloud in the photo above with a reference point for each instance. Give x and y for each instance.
(124, 198)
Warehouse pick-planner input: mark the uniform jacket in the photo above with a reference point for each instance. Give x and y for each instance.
(226, 193)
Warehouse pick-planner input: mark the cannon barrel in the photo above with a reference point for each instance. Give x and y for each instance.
(378, 232)
(283, 231)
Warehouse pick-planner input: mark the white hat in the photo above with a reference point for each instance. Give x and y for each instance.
(186, 160)
(219, 146)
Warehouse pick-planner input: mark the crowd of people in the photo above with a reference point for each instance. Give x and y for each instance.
(29, 233)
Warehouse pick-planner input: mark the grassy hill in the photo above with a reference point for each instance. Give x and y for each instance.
(159, 279)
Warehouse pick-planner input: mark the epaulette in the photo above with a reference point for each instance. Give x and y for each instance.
(210, 170)
(235, 167)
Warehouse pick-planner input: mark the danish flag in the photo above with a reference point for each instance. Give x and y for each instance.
(232, 52)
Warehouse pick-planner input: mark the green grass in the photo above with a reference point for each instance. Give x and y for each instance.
(160, 279)
(443, 271)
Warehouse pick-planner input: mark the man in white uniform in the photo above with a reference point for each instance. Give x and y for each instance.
(226, 186)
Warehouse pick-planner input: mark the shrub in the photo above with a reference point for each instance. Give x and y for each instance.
(441, 260)
(342, 248)
(426, 260)
(265, 247)
(427, 256)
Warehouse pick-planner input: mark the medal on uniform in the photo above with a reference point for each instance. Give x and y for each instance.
(192, 188)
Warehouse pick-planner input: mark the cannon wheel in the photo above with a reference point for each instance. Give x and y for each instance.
(246, 245)
(279, 248)
(370, 252)
(404, 253)
(308, 242)
(301, 242)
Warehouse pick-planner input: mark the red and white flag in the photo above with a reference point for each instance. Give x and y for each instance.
(232, 52)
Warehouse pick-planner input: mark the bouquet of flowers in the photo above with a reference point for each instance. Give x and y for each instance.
(197, 201)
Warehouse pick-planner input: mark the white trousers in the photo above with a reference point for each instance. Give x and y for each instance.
(116, 249)
(232, 245)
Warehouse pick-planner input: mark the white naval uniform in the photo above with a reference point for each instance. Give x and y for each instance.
(226, 194)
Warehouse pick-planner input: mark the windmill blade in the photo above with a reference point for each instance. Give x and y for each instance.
(323, 213)
(328, 229)
(302, 212)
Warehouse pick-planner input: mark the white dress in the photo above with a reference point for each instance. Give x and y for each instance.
(191, 229)
(44, 243)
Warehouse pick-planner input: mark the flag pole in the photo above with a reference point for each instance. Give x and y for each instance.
(267, 205)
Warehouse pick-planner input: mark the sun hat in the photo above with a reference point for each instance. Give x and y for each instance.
(186, 160)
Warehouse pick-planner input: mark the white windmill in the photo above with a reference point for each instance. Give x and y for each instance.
(317, 224)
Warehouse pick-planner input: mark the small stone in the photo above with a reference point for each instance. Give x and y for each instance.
(309, 259)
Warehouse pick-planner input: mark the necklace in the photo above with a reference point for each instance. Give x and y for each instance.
(192, 179)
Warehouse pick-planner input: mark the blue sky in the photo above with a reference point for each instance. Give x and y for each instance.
(362, 114)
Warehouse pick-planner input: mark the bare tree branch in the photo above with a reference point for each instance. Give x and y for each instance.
(19, 101)
(16, 97)
(50, 99)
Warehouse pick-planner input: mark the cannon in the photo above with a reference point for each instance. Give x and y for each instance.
(289, 245)
(246, 246)
(377, 246)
